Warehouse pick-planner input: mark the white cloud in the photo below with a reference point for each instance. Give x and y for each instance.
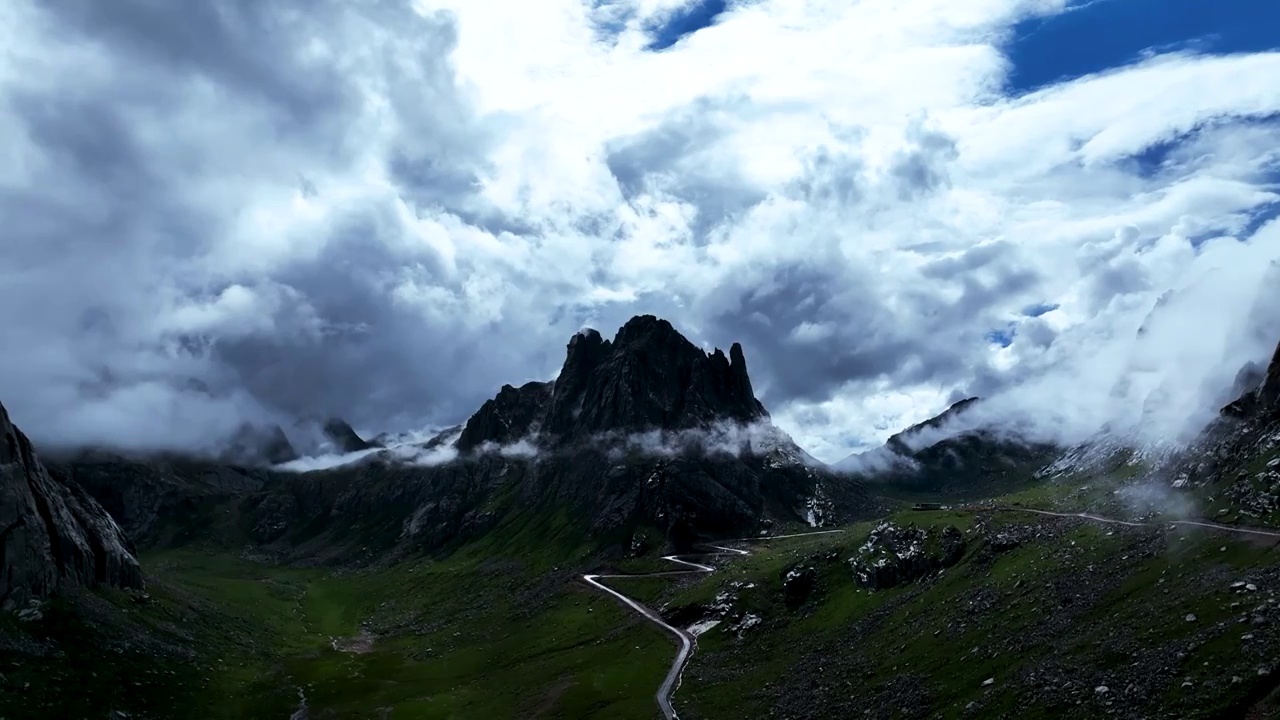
(418, 184)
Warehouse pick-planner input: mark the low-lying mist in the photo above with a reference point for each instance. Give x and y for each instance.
(1157, 379)
(430, 448)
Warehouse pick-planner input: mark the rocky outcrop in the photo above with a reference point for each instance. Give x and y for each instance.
(52, 532)
(1257, 391)
(1269, 392)
(1229, 451)
(508, 418)
(895, 555)
(654, 378)
(587, 351)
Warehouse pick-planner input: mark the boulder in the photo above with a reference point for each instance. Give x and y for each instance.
(894, 555)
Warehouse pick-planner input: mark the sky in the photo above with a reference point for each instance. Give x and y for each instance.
(231, 210)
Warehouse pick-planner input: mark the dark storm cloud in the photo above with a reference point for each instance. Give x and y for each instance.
(679, 158)
(819, 325)
(383, 363)
(812, 330)
(922, 168)
(248, 47)
(111, 278)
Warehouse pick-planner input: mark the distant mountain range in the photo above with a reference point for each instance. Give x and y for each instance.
(951, 455)
(641, 439)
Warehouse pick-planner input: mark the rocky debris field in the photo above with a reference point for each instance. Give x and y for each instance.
(894, 555)
(1256, 495)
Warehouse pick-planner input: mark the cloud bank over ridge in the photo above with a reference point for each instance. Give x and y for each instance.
(385, 210)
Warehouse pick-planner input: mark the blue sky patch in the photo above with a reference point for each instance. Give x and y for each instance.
(687, 21)
(1003, 338)
(1099, 35)
(1039, 309)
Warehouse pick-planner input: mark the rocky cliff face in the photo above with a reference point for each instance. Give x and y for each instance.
(159, 501)
(52, 532)
(1239, 454)
(512, 415)
(1269, 391)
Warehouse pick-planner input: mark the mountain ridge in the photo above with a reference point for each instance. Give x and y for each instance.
(963, 460)
(642, 434)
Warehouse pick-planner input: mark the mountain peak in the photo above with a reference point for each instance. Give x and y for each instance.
(900, 441)
(649, 377)
(343, 436)
(258, 444)
(645, 326)
(652, 377)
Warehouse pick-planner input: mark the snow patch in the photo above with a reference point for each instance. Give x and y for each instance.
(699, 628)
(747, 622)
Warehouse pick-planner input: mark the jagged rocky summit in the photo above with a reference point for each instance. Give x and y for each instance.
(254, 445)
(649, 377)
(52, 533)
(1259, 391)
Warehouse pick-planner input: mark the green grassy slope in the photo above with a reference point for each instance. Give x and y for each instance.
(1041, 617)
(1072, 608)
(227, 637)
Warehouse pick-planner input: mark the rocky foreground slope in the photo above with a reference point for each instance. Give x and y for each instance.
(52, 532)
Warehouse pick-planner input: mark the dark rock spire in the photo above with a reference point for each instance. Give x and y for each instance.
(510, 416)
(586, 351)
(649, 377)
(344, 437)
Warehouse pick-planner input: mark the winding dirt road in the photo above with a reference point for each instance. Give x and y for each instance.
(1256, 532)
(686, 639)
(688, 642)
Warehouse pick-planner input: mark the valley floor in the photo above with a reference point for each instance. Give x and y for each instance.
(222, 636)
(1037, 616)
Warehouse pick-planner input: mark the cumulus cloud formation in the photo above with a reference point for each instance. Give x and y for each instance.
(384, 210)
